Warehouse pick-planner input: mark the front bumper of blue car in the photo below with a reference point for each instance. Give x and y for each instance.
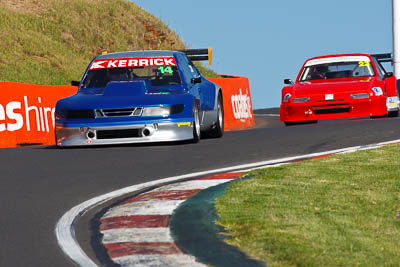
(171, 130)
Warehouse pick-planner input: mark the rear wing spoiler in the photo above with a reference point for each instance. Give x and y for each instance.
(387, 57)
(199, 54)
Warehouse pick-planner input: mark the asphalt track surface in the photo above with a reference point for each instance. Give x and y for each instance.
(39, 184)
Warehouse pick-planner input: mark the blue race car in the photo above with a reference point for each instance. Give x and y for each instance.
(140, 96)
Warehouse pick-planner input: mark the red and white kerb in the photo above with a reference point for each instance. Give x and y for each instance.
(132, 62)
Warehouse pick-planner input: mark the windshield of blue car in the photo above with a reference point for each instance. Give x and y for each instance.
(337, 70)
(158, 76)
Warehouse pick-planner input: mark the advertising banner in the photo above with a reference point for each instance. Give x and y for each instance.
(27, 113)
(237, 102)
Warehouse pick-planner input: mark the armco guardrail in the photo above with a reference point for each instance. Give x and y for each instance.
(27, 110)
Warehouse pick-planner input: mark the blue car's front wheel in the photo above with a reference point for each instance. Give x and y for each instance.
(196, 124)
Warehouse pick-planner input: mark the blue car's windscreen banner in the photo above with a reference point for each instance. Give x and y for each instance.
(132, 62)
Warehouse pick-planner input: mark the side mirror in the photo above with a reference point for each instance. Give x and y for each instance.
(388, 74)
(195, 80)
(288, 81)
(75, 83)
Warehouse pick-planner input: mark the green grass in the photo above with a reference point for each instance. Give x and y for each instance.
(206, 72)
(337, 211)
(52, 41)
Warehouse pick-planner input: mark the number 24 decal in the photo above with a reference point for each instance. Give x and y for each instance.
(363, 63)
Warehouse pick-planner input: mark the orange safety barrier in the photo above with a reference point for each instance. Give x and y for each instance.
(238, 109)
(27, 110)
(27, 113)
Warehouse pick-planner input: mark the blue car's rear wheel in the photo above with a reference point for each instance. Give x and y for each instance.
(218, 129)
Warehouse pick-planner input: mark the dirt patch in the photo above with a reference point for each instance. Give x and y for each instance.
(261, 122)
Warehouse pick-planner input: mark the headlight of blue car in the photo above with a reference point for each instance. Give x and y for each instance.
(63, 114)
(162, 111)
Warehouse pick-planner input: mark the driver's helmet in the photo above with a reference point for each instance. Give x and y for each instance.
(322, 69)
(116, 74)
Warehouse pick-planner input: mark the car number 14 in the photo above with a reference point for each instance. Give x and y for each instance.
(164, 70)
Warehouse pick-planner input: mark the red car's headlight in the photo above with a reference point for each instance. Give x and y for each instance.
(360, 96)
(301, 100)
(162, 111)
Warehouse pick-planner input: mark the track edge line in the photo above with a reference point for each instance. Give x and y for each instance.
(65, 231)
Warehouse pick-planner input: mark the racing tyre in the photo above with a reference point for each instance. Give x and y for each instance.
(196, 124)
(218, 130)
(55, 140)
(393, 114)
(291, 123)
(378, 117)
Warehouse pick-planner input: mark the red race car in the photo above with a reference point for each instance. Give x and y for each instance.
(340, 86)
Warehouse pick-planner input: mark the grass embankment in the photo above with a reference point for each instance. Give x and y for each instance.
(337, 211)
(52, 41)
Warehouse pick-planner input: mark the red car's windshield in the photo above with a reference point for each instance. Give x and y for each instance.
(335, 70)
